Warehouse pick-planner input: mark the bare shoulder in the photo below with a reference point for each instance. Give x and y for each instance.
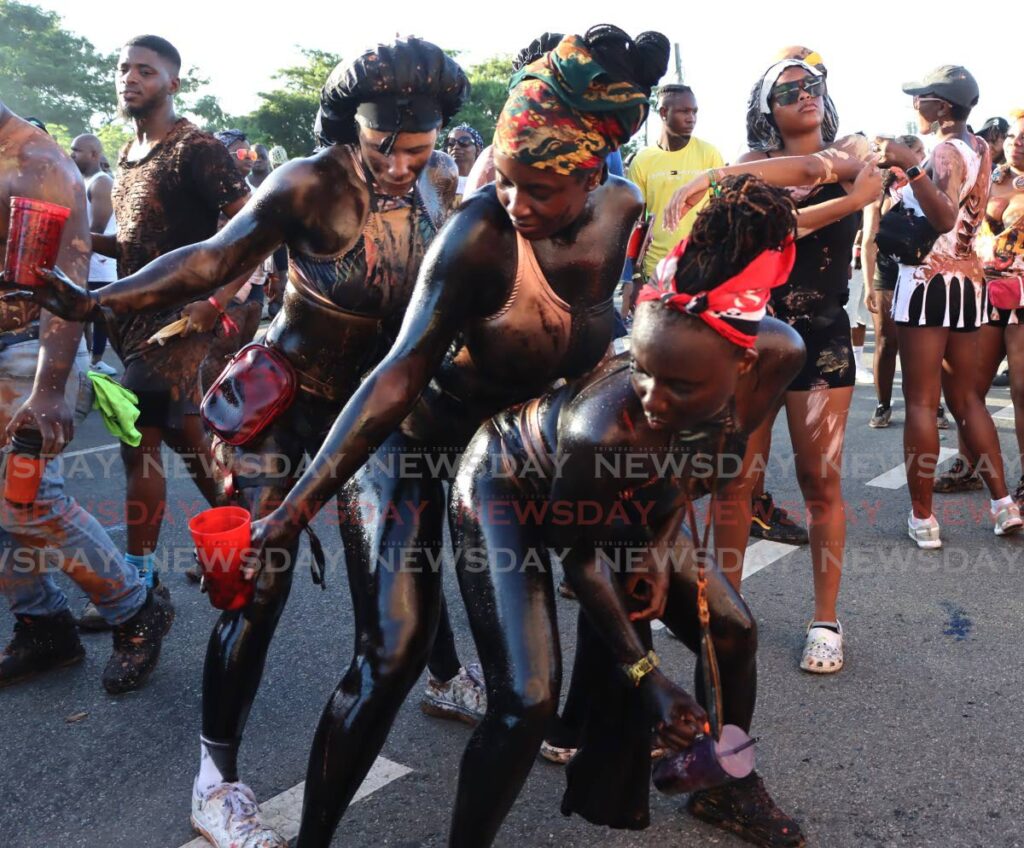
(601, 406)
(752, 156)
(477, 230)
(623, 193)
(46, 173)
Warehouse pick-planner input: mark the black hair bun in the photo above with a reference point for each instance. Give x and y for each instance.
(535, 49)
(642, 61)
(407, 67)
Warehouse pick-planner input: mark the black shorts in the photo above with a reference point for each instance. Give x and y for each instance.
(830, 363)
(886, 271)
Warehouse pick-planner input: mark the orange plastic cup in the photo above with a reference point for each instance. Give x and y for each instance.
(223, 536)
(33, 239)
(24, 468)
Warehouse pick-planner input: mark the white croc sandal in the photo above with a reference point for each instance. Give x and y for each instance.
(823, 650)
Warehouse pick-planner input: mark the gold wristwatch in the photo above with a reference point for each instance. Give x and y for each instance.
(641, 668)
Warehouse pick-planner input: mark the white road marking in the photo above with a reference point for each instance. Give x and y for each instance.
(283, 812)
(98, 449)
(1004, 414)
(762, 554)
(759, 555)
(896, 478)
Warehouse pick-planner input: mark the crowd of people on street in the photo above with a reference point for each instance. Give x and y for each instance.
(501, 317)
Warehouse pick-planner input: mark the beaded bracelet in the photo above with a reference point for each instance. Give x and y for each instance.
(714, 188)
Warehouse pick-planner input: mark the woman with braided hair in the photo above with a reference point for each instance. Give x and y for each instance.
(655, 409)
(356, 217)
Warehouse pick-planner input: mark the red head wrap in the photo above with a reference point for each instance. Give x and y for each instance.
(733, 308)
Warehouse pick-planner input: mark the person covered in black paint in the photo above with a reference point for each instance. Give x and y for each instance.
(356, 217)
(546, 459)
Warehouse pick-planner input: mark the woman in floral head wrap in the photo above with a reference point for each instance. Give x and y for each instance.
(514, 294)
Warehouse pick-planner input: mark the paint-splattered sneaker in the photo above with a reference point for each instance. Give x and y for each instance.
(1007, 520)
(463, 698)
(137, 644)
(882, 417)
(745, 808)
(823, 648)
(229, 817)
(41, 643)
(960, 477)
(1018, 493)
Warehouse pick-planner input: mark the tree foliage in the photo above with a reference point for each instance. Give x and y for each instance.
(51, 73)
(286, 114)
(489, 81)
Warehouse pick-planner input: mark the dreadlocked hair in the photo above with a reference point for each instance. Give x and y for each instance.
(746, 219)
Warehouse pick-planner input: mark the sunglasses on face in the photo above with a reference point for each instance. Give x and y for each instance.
(919, 99)
(788, 93)
(463, 141)
(242, 155)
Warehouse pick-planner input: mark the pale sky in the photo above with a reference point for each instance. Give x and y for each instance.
(869, 48)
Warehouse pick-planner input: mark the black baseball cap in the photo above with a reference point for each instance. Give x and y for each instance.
(952, 83)
(1000, 125)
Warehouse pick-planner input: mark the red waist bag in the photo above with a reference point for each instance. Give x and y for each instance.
(256, 387)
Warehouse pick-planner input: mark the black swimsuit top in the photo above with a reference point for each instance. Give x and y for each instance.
(342, 313)
(376, 277)
(819, 284)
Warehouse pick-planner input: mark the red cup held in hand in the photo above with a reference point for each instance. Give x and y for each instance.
(223, 538)
(24, 468)
(33, 240)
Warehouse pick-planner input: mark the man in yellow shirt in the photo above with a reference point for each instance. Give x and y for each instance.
(677, 158)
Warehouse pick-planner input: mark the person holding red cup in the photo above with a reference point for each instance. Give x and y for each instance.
(43, 221)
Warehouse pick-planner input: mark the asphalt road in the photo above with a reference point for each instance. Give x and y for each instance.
(915, 743)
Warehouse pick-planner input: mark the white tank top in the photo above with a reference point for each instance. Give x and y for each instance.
(102, 269)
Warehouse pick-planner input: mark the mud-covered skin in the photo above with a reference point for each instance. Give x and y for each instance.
(511, 609)
(31, 165)
(356, 297)
(467, 277)
(327, 339)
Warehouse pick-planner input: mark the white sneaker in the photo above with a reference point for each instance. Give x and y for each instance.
(463, 698)
(926, 535)
(229, 817)
(865, 377)
(823, 649)
(1007, 520)
(101, 367)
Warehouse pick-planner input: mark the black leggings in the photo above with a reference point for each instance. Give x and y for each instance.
(237, 650)
(393, 558)
(505, 576)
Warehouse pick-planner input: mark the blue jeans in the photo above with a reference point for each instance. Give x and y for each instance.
(56, 533)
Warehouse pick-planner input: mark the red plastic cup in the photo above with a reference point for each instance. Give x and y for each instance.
(33, 240)
(223, 536)
(24, 468)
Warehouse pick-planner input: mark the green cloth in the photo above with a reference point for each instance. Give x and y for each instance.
(118, 406)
